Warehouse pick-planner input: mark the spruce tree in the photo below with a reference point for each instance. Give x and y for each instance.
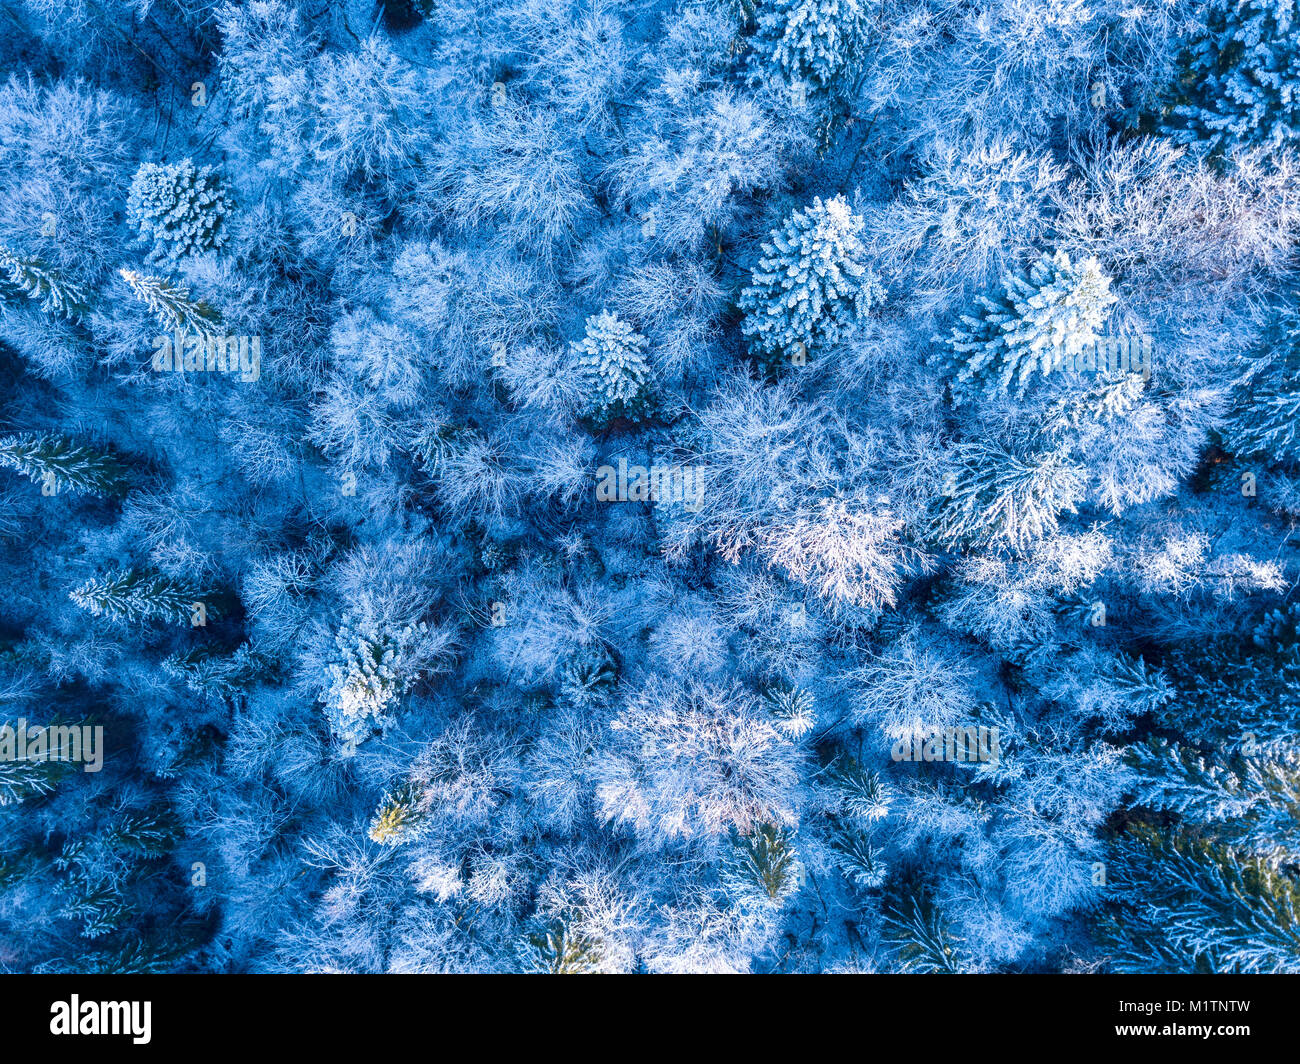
(180, 209)
(810, 286)
(401, 812)
(170, 303)
(21, 779)
(134, 595)
(1242, 71)
(556, 948)
(816, 42)
(794, 708)
(35, 280)
(1250, 800)
(1264, 419)
(57, 464)
(612, 363)
(921, 935)
(999, 500)
(858, 860)
(1183, 904)
(763, 865)
(859, 792)
(1040, 321)
(374, 669)
(588, 678)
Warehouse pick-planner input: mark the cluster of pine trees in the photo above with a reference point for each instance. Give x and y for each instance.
(386, 686)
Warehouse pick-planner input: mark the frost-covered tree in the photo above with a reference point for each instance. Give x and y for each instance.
(694, 760)
(1191, 905)
(178, 209)
(612, 364)
(811, 285)
(136, 595)
(171, 305)
(820, 43)
(35, 280)
(375, 665)
(852, 556)
(1242, 66)
(1040, 323)
(368, 104)
(996, 499)
(399, 816)
(762, 866)
(974, 211)
(1266, 402)
(260, 42)
(57, 463)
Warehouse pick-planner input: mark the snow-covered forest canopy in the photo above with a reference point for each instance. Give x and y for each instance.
(549, 485)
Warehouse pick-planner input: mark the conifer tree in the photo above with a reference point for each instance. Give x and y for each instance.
(1251, 800)
(1264, 420)
(922, 936)
(180, 209)
(23, 778)
(218, 675)
(794, 709)
(1242, 69)
(816, 42)
(1001, 500)
(588, 678)
(170, 303)
(1193, 905)
(1041, 321)
(859, 861)
(134, 595)
(612, 364)
(376, 667)
(57, 464)
(860, 793)
(35, 280)
(762, 865)
(556, 948)
(401, 812)
(810, 286)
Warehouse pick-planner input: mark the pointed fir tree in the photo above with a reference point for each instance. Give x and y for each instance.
(1251, 800)
(998, 500)
(171, 304)
(810, 286)
(860, 794)
(21, 779)
(1041, 322)
(588, 678)
(1182, 904)
(794, 708)
(858, 860)
(57, 464)
(922, 938)
(145, 834)
(375, 667)
(35, 280)
(134, 595)
(401, 813)
(1264, 418)
(612, 364)
(217, 675)
(556, 948)
(818, 43)
(1241, 71)
(762, 866)
(179, 209)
